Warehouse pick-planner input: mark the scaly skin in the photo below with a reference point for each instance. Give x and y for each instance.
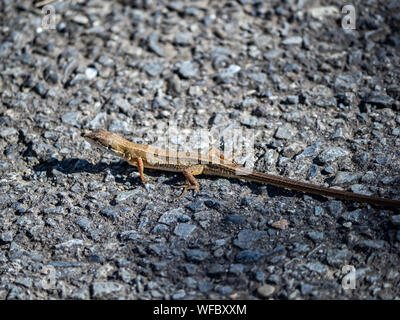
(191, 164)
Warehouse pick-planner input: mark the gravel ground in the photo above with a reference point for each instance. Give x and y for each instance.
(77, 223)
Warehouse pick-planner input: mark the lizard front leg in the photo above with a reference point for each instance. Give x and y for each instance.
(138, 162)
(189, 174)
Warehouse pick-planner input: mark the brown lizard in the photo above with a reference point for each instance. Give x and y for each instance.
(213, 163)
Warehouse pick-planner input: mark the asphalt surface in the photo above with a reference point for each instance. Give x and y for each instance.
(322, 102)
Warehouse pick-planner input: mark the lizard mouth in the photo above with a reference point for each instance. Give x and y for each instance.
(97, 140)
(87, 134)
(90, 137)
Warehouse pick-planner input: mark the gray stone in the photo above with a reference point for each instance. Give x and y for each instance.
(266, 290)
(310, 151)
(8, 132)
(159, 229)
(130, 235)
(70, 118)
(331, 154)
(235, 219)
(347, 82)
(7, 236)
(396, 132)
(180, 294)
(154, 69)
(236, 269)
(188, 70)
(328, 170)
(306, 289)
(292, 100)
(274, 278)
(183, 39)
(373, 244)
(196, 255)
(273, 54)
(205, 286)
(41, 89)
(315, 236)
(171, 216)
(316, 267)
(110, 212)
(154, 45)
(323, 11)
(125, 195)
(90, 73)
(361, 158)
(380, 100)
(318, 210)
(216, 270)
(337, 258)
(104, 289)
(246, 238)
(248, 256)
(84, 223)
(80, 19)
(16, 293)
(26, 282)
(123, 104)
(312, 171)
(80, 294)
(353, 216)
(249, 122)
(338, 134)
(258, 77)
(66, 264)
(69, 244)
(224, 290)
(184, 230)
(285, 132)
(196, 206)
(346, 178)
(249, 201)
(335, 207)
(190, 282)
(228, 74)
(325, 102)
(106, 61)
(293, 41)
(361, 189)
(396, 220)
(259, 276)
(248, 103)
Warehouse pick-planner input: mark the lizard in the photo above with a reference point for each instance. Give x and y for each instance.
(213, 163)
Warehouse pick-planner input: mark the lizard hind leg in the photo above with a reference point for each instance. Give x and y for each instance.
(189, 174)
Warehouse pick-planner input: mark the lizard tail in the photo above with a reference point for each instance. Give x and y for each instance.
(315, 189)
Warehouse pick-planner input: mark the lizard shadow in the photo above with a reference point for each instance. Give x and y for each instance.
(121, 171)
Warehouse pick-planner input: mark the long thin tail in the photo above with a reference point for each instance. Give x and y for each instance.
(318, 190)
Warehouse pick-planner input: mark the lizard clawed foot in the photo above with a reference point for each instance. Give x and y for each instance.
(185, 187)
(144, 180)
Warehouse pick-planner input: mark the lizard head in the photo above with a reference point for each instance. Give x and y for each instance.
(105, 140)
